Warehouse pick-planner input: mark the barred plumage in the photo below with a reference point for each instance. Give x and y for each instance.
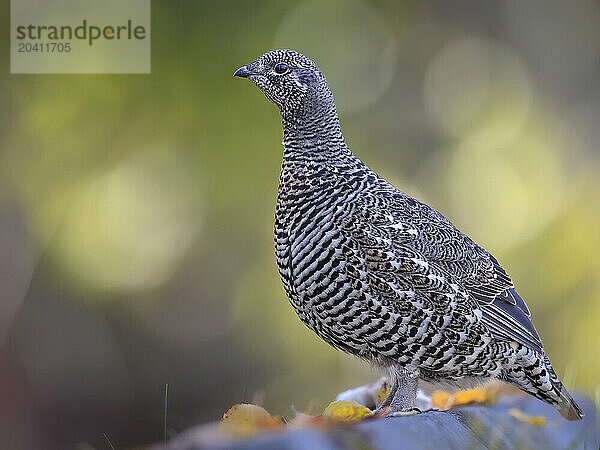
(380, 275)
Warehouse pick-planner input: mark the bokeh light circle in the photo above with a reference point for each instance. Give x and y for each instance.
(478, 90)
(506, 195)
(127, 228)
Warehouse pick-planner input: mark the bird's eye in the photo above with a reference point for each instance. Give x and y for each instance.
(281, 68)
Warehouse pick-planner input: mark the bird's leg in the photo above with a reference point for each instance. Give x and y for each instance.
(405, 395)
(388, 399)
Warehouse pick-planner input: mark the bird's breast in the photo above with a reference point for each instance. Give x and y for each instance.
(313, 250)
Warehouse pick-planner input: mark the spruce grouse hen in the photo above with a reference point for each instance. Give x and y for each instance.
(382, 276)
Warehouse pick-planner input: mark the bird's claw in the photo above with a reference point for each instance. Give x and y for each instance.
(433, 409)
(411, 412)
(405, 413)
(382, 411)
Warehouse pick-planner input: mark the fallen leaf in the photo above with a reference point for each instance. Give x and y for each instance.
(346, 411)
(302, 419)
(538, 421)
(441, 399)
(383, 392)
(446, 400)
(384, 412)
(244, 419)
(470, 396)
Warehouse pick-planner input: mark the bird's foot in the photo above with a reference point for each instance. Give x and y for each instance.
(405, 413)
(382, 411)
(433, 409)
(410, 412)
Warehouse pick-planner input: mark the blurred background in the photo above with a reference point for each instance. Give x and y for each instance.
(136, 211)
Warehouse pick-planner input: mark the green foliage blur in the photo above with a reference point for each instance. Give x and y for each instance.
(136, 211)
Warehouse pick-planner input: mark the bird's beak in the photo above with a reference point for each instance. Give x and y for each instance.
(242, 72)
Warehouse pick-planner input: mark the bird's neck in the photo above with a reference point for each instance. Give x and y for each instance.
(315, 136)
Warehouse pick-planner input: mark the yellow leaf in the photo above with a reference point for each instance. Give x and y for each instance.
(382, 393)
(440, 399)
(470, 396)
(446, 400)
(244, 419)
(538, 421)
(302, 420)
(345, 411)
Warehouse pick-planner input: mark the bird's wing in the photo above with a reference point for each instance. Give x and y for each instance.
(407, 308)
(478, 272)
(504, 311)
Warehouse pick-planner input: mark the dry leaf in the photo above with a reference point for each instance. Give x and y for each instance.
(244, 419)
(302, 420)
(383, 392)
(538, 421)
(446, 400)
(383, 413)
(346, 411)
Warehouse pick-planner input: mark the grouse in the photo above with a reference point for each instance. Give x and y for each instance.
(382, 276)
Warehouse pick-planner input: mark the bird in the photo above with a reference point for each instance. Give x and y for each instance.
(381, 275)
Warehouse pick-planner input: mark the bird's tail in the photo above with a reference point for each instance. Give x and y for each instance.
(537, 377)
(564, 403)
(567, 406)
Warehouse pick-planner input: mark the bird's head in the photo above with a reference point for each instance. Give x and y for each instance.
(291, 81)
